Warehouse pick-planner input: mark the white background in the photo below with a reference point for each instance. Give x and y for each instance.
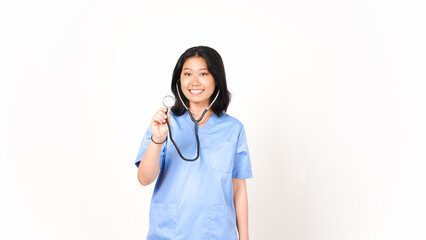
(331, 94)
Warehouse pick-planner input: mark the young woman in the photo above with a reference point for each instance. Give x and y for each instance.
(205, 198)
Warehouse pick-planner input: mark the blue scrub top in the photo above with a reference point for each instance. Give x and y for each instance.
(194, 200)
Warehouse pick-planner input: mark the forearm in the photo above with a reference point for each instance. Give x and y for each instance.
(241, 208)
(149, 165)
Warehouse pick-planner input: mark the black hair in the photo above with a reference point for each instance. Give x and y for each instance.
(215, 67)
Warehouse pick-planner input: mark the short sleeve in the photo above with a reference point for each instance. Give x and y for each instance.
(144, 146)
(242, 165)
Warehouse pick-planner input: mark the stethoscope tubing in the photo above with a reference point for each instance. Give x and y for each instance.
(196, 136)
(196, 121)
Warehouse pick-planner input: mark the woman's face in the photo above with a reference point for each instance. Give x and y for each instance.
(196, 81)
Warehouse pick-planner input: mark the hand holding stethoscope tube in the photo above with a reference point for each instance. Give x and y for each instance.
(159, 127)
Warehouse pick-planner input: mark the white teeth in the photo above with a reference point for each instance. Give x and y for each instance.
(195, 91)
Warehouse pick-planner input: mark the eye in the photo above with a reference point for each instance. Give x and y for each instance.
(187, 74)
(204, 74)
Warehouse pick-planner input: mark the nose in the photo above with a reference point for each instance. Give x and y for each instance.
(195, 81)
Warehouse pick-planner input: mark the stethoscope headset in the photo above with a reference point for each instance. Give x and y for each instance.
(168, 102)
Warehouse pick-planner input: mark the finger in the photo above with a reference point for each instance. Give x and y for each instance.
(157, 117)
(159, 111)
(165, 113)
(162, 112)
(161, 117)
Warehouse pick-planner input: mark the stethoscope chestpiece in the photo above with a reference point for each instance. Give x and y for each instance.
(169, 101)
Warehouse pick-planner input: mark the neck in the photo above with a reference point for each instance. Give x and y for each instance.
(197, 115)
(198, 108)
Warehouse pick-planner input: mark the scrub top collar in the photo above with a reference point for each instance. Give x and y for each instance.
(210, 122)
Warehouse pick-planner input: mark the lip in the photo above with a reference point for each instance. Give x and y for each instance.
(196, 92)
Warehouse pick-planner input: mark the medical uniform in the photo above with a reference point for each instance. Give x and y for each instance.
(194, 200)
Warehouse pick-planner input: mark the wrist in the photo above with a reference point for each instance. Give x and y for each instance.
(158, 140)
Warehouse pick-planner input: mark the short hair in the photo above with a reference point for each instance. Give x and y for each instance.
(215, 67)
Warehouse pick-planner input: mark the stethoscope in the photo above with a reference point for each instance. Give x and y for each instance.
(168, 102)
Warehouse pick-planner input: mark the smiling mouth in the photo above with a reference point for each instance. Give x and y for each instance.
(196, 91)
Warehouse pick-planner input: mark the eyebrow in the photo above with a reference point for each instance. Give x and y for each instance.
(198, 69)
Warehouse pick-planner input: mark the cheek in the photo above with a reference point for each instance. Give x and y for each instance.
(213, 84)
(183, 84)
